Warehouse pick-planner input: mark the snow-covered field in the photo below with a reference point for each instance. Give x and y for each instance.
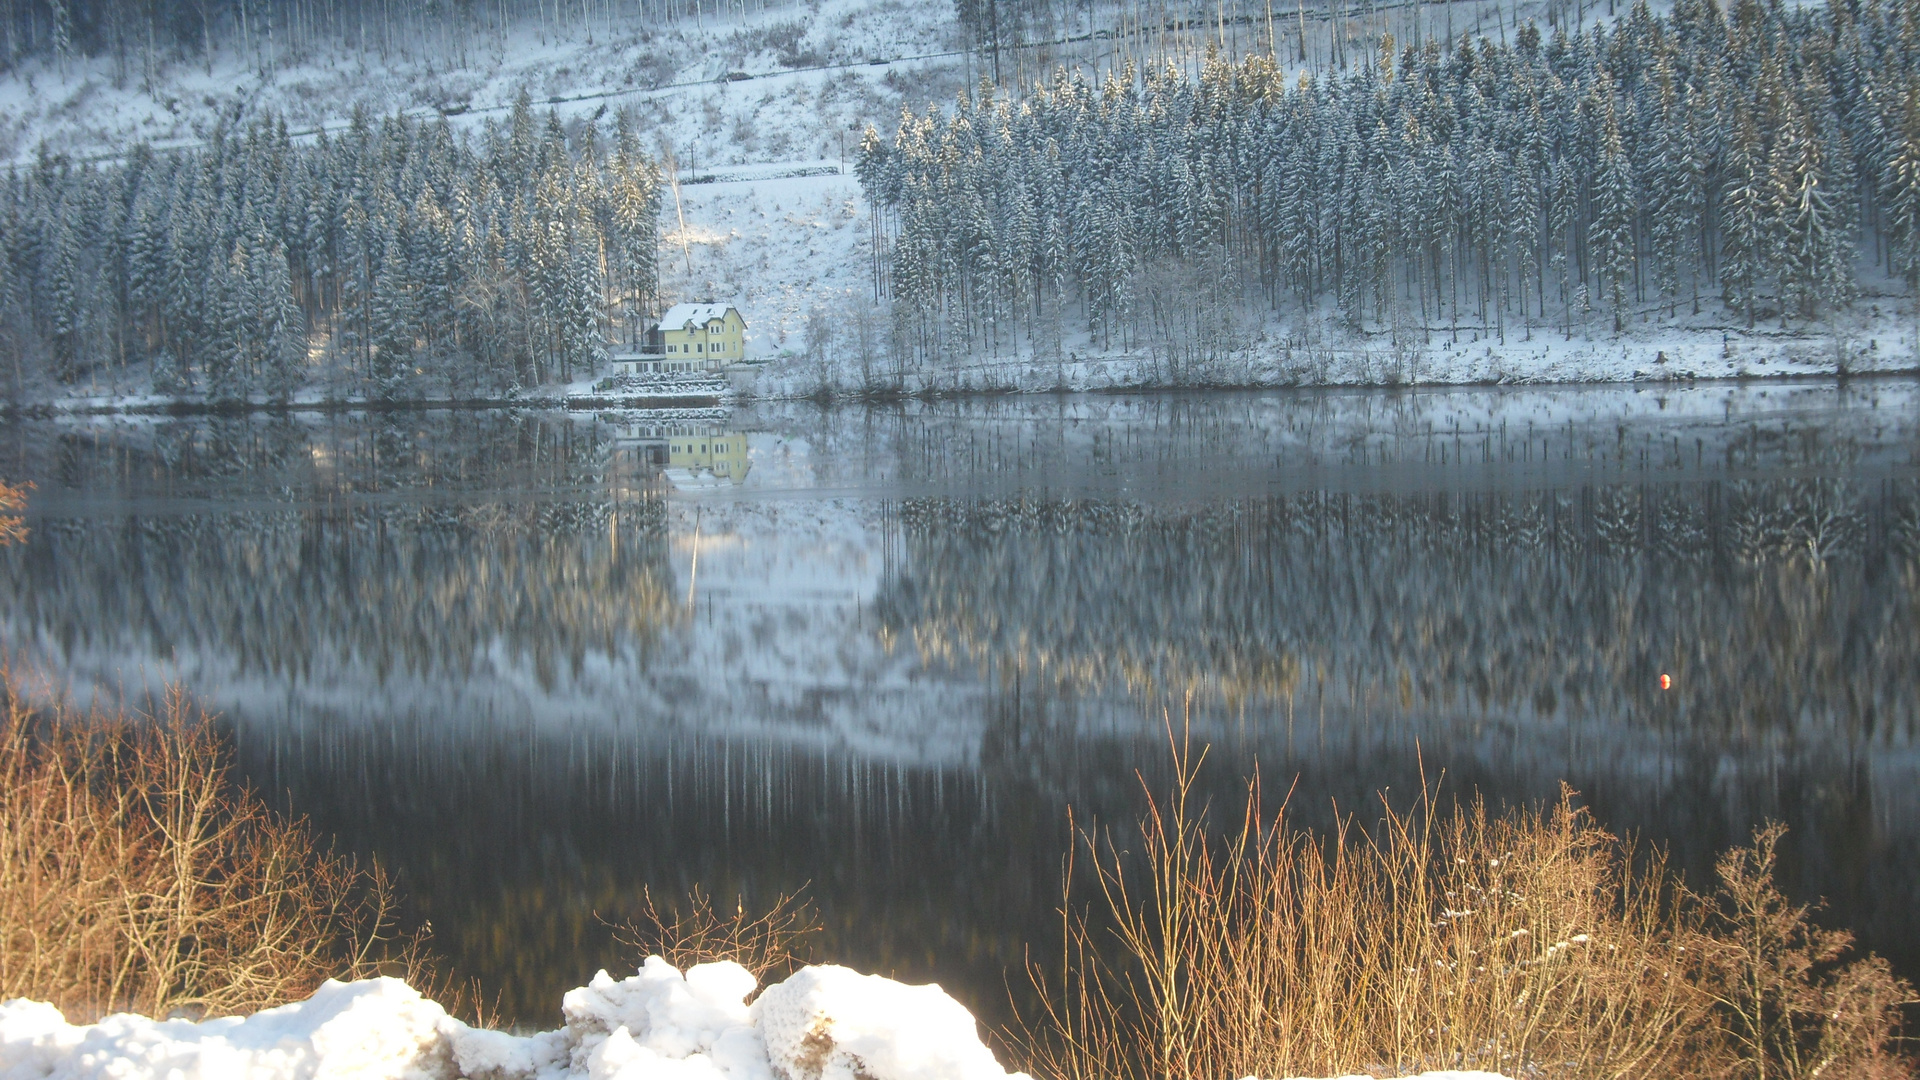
(783, 248)
(823, 1023)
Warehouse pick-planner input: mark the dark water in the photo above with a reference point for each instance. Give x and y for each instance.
(535, 662)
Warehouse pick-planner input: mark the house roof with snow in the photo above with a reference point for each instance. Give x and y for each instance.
(679, 315)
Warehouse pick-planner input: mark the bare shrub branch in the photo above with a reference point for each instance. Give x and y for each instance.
(1791, 1003)
(772, 944)
(137, 874)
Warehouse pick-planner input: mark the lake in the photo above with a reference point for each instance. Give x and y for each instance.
(536, 662)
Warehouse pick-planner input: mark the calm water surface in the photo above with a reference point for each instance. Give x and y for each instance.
(536, 661)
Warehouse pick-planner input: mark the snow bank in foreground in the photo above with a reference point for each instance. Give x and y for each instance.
(824, 1023)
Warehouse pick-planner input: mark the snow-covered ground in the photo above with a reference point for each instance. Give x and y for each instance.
(1877, 336)
(782, 84)
(823, 1023)
(779, 82)
(657, 1024)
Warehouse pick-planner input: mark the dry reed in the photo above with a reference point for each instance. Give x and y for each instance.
(137, 874)
(1531, 943)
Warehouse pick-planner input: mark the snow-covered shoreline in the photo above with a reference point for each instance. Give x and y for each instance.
(1102, 375)
(1869, 341)
(823, 1023)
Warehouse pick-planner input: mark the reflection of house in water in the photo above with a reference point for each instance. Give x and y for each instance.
(689, 455)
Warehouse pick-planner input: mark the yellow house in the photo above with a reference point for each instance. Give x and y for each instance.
(693, 338)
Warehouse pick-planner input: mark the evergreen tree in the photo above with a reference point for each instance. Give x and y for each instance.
(1815, 250)
(63, 305)
(1900, 195)
(1612, 235)
(1746, 220)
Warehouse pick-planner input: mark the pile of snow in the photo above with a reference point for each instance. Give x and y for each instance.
(824, 1023)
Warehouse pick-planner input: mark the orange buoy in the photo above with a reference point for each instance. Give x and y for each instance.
(1666, 681)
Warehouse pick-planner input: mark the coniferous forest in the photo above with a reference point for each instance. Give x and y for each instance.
(395, 258)
(1584, 183)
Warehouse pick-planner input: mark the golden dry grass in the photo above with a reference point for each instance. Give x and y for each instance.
(137, 874)
(1529, 942)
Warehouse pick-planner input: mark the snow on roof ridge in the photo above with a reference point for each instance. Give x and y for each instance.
(681, 314)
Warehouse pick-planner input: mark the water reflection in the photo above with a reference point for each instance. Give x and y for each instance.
(691, 456)
(1780, 609)
(538, 661)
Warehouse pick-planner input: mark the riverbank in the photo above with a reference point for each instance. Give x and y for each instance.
(1874, 339)
(582, 395)
(789, 380)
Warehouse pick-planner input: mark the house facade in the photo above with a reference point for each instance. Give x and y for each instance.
(689, 339)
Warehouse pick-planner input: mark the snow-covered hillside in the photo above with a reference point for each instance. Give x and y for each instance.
(783, 84)
(790, 245)
(757, 114)
(756, 118)
(774, 82)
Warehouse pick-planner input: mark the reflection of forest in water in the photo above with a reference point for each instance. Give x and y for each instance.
(1348, 587)
(290, 551)
(1779, 607)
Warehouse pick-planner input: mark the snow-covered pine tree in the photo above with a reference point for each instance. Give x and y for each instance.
(1746, 218)
(1615, 205)
(283, 334)
(1900, 195)
(1815, 246)
(224, 352)
(64, 316)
